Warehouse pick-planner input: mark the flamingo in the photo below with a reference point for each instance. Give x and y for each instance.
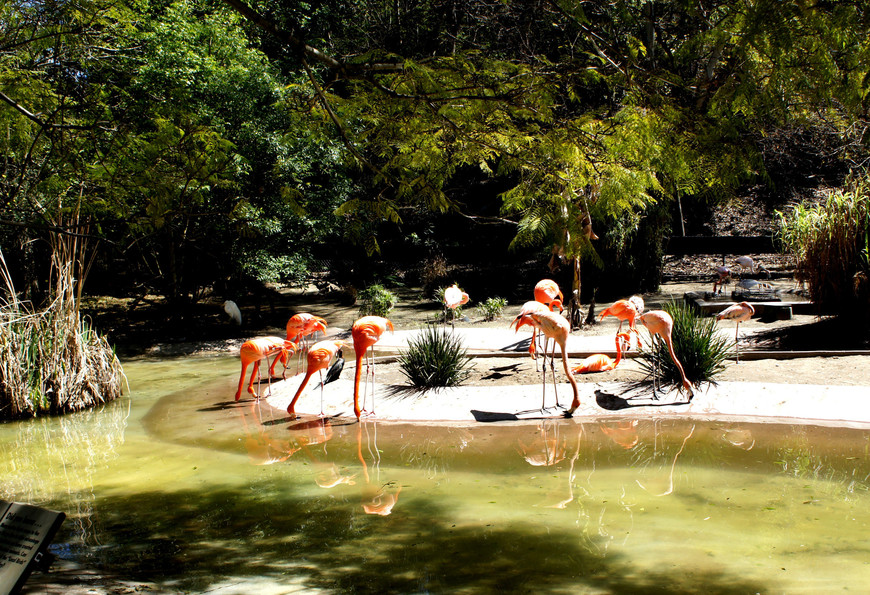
(254, 351)
(318, 357)
(300, 326)
(554, 326)
(659, 322)
(366, 332)
(548, 293)
(723, 274)
(746, 262)
(626, 311)
(531, 306)
(602, 363)
(739, 313)
(453, 298)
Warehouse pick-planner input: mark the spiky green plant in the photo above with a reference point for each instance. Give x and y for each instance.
(434, 358)
(701, 351)
(492, 308)
(376, 300)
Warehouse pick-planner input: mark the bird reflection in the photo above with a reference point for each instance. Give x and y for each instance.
(623, 433)
(739, 438)
(376, 500)
(548, 449)
(263, 448)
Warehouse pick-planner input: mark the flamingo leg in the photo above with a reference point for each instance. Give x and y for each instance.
(553, 371)
(321, 394)
(737, 342)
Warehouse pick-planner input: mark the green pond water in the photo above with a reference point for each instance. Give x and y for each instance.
(179, 485)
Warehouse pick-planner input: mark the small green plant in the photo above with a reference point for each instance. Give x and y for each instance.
(492, 308)
(376, 300)
(701, 351)
(435, 358)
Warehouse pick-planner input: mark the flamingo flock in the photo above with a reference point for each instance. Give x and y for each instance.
(542, 315)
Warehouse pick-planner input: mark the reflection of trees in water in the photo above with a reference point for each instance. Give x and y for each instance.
(53, 462)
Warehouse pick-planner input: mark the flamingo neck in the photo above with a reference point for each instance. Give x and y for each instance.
(677, 362)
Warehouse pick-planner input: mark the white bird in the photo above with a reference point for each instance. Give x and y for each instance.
(739, 313)
(233, 311)
(753, 285)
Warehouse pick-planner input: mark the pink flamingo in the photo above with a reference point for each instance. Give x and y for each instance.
(256, 350)
(453, 298)
(318, 357)
(532, 306)
(723, 274)
(602, 363)
(739, 313)
(366, 332)
(548, 293)
(659, 322)
(300, 326)
(626, 311)
(554, 326)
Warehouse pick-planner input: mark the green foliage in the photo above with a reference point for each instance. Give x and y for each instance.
(435, 358)
(830, 243)
(701, 351)
(376, 300)
(492, 308)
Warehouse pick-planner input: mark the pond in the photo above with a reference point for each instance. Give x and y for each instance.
(181, 486)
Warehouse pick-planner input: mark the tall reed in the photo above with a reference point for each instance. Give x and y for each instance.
(830, 243)
(52, 361)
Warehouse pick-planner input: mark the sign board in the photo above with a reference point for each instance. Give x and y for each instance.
(25, 533)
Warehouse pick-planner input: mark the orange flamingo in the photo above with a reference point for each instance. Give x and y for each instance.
(548, 293)
(532, 306)
(739, 313)
(659, 323)
(453, 298)
(366, 332)
(602, 363)
(626, 311)
(300, 326)
(554, 326)
(319, 356)
(254, 351)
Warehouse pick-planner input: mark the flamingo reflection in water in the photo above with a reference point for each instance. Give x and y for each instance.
(548, 449)
(381, 500)
(264, 447)
(623, 433)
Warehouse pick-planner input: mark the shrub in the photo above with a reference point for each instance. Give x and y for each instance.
(52, 361)
(435, 358)
(376, 300)
(492, 308)
(701, 351)
(830, 243)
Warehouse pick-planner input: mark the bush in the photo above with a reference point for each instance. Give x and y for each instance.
(830, 243)
(701, 351)
(376, 300)
(435, 358)
(52, 361)
(492, 308)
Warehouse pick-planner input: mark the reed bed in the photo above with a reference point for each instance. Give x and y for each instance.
(830, 243)
(52, 361)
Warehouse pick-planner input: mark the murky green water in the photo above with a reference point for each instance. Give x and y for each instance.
(182, 486)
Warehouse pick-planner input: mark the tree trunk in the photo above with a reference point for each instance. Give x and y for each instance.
(575, 314)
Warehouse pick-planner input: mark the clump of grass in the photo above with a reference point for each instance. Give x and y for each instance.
(52, 361)
(701, 351)
(830, 243)
(492, 308)
(376, 300)
(435, 358)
